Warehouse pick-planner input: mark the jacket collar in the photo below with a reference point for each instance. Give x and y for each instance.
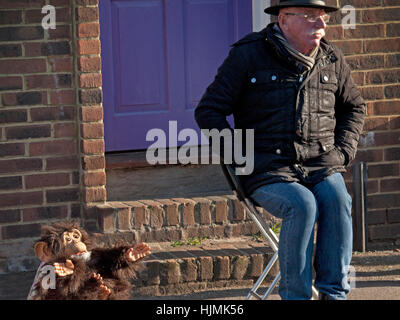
(325, 51)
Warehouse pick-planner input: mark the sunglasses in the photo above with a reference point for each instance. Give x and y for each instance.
(311, 17)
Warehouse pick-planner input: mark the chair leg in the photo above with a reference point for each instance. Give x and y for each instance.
(253, 291)
(315, 293)
(272, 286)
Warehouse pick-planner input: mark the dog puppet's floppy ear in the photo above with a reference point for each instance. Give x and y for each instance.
(42, 251)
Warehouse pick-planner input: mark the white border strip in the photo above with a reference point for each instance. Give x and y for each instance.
(260, 18)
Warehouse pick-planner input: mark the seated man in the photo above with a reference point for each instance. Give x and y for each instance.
(294, 89)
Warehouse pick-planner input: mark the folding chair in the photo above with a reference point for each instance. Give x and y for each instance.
(264, 228)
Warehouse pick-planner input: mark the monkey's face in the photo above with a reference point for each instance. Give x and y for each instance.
(72, 241)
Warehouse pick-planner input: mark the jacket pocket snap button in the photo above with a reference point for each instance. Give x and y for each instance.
(253, 80)
(326, 78)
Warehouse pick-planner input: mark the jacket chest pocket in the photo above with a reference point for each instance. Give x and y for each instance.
(268, 87)
(269, 78)
(328, 87)
(328, 81)
(259, 79)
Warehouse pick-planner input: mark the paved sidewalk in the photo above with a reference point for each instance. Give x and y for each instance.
(377, 277)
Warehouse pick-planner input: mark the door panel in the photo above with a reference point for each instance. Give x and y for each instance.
(140, 69)
(205, 45)
(158, 56)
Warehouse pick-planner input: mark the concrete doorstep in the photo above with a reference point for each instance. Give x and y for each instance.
(175, 270)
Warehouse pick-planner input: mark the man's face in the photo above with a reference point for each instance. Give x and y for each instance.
(302, 34)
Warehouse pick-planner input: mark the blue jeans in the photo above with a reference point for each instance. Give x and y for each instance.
(329, 205)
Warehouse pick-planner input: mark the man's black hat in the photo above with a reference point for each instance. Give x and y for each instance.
(300, 3)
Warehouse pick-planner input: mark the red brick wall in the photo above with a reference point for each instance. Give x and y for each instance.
(51, 130)
(91, 129)
(51, 120)
(372, 50)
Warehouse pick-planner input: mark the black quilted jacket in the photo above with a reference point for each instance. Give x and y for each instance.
(306, 126)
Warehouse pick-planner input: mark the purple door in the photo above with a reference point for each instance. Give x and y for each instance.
(158, 56)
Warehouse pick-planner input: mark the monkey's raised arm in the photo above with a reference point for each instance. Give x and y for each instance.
(119, 261)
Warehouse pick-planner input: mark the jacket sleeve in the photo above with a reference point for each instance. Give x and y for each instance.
(222, 95)
(350, 113)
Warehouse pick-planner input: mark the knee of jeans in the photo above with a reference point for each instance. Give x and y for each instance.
(336, 191)
(275, 204)
(304, 207)
(298, 204)
(349, 200)
(338, 198)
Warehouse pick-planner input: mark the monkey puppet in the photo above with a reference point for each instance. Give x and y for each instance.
(96, 274)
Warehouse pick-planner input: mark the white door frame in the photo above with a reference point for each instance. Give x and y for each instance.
(260, 18)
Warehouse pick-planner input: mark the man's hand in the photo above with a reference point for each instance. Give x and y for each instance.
(138, 252)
